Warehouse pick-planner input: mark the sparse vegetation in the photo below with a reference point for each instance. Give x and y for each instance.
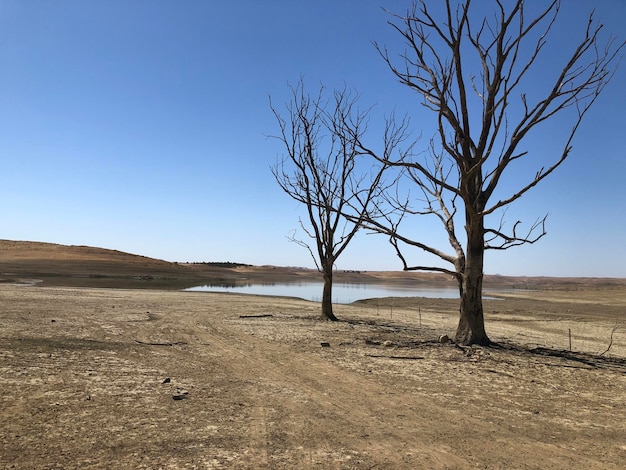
(222, 264)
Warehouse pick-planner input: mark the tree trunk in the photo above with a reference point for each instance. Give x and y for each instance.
(471, 329)
(327, 295)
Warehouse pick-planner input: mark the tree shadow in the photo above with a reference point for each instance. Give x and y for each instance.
(403, 336)
(575, 359)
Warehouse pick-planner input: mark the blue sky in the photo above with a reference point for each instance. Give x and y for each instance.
(141, 126)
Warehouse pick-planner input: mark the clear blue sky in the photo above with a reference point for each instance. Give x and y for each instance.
(140, 125)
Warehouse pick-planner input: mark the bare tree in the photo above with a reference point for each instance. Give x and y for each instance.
(472, 71)
(320, 171)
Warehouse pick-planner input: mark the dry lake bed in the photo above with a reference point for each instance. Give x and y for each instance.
(121, 378)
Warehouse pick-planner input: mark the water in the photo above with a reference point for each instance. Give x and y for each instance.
(343, 293)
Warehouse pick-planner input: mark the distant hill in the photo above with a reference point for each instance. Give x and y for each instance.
(55, 264)
(24, 250)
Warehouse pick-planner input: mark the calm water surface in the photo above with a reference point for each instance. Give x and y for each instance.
(343, 293)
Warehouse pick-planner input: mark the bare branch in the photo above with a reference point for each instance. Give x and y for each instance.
(610, 342)
(302, 243)
(433, 65)
(507, 241)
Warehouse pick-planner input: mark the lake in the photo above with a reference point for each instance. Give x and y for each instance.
(343, 293)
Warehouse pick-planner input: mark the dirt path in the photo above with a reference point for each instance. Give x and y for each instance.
(103, 378)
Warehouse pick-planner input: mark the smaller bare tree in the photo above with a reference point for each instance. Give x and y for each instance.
(320, 171)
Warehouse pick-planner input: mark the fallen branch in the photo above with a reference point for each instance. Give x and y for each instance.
(177, 343)
(263, 315)
(409, 358)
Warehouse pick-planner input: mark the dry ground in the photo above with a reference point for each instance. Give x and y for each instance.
(114, 378)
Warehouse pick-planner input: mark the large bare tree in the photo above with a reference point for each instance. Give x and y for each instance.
(320, 171)
(473, 72)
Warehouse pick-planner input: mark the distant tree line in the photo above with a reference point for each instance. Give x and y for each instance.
(222, 264)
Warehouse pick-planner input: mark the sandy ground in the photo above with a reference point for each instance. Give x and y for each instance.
(113, 378)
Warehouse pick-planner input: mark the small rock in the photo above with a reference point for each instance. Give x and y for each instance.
(181, 395)
(444, 339)
(325, 345)
(387, 344)
(167, 380)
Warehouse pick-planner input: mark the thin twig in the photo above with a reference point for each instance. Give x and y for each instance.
(610, 342)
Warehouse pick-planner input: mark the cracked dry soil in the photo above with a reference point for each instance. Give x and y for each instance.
(90, 377)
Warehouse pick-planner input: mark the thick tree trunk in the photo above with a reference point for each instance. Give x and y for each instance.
(327, 295)
(471, 329)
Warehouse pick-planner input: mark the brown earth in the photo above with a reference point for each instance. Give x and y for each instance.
(159, 378)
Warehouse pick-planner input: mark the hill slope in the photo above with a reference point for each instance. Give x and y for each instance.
(55, 264)
(15, 251)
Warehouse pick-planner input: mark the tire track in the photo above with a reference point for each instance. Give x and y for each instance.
(389, 433)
